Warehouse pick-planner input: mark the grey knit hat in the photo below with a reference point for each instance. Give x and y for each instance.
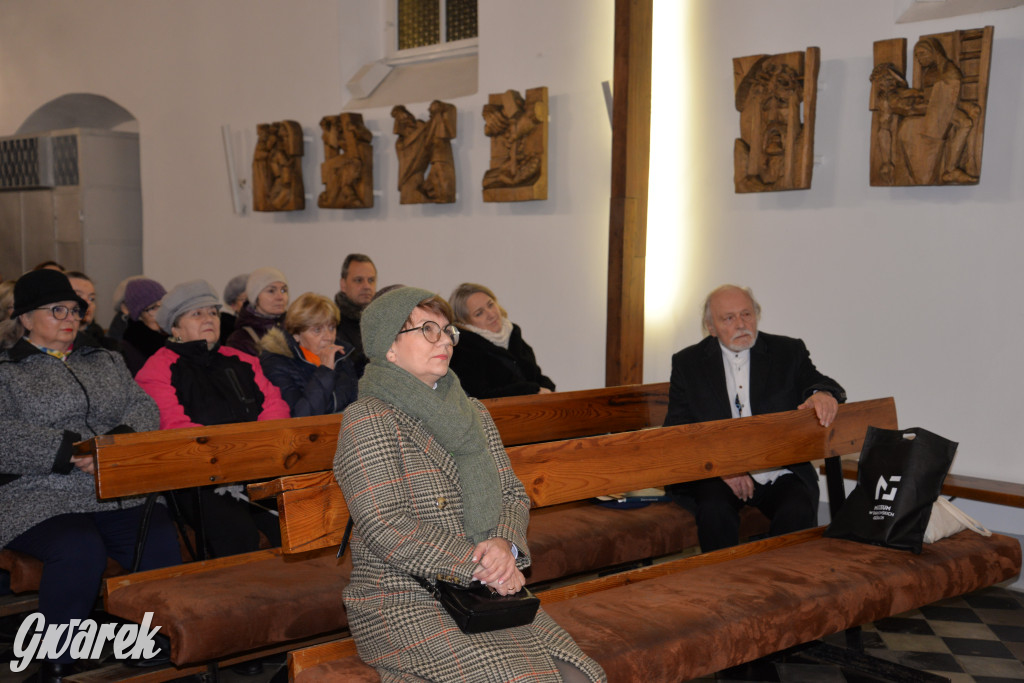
(384, 317)
(188, 296)
(235, 286)
(260, 278)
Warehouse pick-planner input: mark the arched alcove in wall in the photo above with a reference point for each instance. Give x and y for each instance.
(72, 193)
(79, 110)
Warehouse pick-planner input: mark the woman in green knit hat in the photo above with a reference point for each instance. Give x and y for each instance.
(433, 495)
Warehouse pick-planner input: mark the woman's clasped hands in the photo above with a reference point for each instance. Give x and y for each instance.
(497, 566)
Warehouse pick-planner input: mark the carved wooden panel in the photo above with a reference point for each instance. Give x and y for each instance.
(347, 170)
(277, 168)
(775, 150)
(931, 133)
(426, 167)
(518, 129)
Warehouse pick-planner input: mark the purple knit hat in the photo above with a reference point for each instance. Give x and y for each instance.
(140, 294)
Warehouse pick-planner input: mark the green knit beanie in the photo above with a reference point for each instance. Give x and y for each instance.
(384, 317)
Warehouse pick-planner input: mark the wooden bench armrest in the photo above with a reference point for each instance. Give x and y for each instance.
(972, 488)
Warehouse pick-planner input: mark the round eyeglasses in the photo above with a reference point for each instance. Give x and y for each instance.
(432, 332)
(61, 312)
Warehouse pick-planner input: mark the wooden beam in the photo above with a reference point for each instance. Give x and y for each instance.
(627, 229)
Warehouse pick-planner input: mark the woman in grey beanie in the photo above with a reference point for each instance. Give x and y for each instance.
(267, 291)
(431, 493)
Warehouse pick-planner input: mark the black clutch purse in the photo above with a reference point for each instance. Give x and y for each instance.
(476, 609)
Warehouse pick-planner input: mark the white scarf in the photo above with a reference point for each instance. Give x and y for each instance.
(496, 338)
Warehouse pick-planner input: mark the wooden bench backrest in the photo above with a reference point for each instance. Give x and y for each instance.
(135, 464)
(314, 515)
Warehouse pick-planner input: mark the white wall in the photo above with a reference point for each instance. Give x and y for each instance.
(908, 292)
(186, 67)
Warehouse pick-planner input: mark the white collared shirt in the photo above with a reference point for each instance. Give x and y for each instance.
(737, 385)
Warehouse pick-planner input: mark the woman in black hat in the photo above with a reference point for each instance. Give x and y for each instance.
(53, 395)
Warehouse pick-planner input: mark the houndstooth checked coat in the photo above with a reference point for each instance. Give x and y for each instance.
(403, 491)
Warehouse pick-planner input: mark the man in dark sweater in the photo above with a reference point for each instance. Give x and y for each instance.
(356, 289)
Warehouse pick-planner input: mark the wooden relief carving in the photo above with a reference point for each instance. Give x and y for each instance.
(347, 170)
(775, 150)
(518, 130)
(277, 168)
(426, 167)
(932, 133)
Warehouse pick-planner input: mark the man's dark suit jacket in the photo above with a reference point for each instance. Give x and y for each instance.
(782, 376)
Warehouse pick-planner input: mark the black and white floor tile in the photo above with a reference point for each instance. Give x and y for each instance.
(976, 638)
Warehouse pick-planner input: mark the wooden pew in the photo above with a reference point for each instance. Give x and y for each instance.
(136, 464)
(313, 514)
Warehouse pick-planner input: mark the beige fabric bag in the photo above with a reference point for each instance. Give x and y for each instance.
(947, 519)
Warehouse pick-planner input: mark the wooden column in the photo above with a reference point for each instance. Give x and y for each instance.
(627, 230)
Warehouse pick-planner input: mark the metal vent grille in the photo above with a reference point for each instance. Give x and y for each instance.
(65, 159)
(25, 162)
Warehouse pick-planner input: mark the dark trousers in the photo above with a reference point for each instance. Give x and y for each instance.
(74, 549)
(231, 526)
(787, 502)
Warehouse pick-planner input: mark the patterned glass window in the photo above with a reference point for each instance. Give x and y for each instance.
(461, 19)
(420, 21)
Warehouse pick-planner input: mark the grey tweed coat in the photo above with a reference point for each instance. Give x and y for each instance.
(403, 491)
(45, 404)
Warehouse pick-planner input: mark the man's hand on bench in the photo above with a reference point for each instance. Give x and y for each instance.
(825, 406)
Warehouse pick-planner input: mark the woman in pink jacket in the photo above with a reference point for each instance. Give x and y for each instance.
(196, 381)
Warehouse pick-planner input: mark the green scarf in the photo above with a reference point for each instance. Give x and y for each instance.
(455, 422)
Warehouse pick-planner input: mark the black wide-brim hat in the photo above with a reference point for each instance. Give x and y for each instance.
(38, 288)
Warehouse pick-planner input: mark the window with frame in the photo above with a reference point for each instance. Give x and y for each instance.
(421, 30)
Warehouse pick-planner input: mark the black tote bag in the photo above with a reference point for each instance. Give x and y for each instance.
(899, 477)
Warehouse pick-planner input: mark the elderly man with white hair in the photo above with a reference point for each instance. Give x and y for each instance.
(737, 371)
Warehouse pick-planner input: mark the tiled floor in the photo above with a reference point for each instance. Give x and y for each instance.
(977, 638)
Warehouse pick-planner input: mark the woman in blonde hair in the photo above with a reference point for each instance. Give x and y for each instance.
(493, 359)
(313, 373)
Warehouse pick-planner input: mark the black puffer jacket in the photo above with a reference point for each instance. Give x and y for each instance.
(308, 389)
(489, 371)
(139, 343)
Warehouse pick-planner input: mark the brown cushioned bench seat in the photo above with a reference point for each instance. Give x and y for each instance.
(706, 618)
(245, 606)
(574, 538)
(703, 620)
(276, 599)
